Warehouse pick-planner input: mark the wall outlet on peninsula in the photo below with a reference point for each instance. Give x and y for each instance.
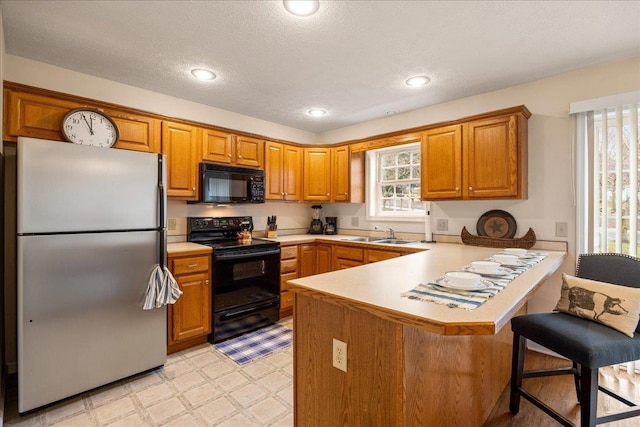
(340, 355)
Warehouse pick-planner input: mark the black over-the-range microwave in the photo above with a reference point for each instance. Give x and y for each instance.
(229, 184)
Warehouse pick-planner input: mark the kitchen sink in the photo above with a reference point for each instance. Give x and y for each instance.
(378, 240)
(393, 241)
(360, 239)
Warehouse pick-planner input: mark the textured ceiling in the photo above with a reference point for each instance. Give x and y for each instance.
(350, 58)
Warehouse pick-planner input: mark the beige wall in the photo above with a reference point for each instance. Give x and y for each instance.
(551, 191)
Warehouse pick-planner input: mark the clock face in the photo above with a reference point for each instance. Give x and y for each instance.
(89, 127)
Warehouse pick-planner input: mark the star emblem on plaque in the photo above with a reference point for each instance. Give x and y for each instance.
(497, 223)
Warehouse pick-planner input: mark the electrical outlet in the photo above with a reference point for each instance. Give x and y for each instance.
(355, 221)
(442, 224)
(562, 229)
(171, 224)
(340, 355)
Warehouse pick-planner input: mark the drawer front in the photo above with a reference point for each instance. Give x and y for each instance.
(284, 278)
(375, 256)
(288, 252)
(286, 300)
(345, 252)
(189, 265)
(288, 266)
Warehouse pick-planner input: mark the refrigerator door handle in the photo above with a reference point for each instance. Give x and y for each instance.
(162, 211)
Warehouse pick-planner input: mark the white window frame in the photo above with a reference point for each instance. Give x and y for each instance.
(373, 199)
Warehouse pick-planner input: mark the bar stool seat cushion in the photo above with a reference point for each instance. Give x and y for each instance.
(588, 343)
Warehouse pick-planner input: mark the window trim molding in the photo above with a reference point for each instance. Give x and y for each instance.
(370, 170)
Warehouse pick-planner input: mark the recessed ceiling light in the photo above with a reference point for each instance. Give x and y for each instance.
(391, 112)
(316, 112)
(418, 81)
(301, 7)
(202, 74)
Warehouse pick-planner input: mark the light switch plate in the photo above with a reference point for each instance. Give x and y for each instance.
(171, 224)
(562, 229)
(442, 224)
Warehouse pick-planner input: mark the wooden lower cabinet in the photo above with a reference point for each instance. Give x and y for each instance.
(189, 319)
(288, 270)
(347, 257)
(324, 262)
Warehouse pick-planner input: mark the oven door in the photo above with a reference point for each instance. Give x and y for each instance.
(246, 292)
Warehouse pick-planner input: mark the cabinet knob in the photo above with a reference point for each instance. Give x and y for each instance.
(470, 188)
(229, 155)
(327, 194)
(239, 156)
(193, 189)
(457, 189)
(285, 194)
(206, 282)
(282, 194)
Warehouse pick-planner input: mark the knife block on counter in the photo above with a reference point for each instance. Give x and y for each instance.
(270, 234)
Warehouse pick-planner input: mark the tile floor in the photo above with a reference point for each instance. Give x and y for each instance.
(196, 387)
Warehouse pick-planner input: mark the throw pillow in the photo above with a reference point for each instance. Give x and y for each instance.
(612, 305)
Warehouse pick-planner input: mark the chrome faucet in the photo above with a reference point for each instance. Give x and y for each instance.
(391, 232)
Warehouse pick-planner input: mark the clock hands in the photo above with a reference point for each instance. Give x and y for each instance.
(89, 124)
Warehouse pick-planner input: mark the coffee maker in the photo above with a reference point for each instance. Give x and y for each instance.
(316, 222)
(331, 225)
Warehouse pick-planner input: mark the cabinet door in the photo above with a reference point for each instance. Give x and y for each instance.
(317, 174)
(307, 265)
(216, 146)
(441, 163)
(292, 172)
(274, 170)
(491, 158)
(179, 144)
(34, 115)
(190, 316)
(373, 255)
(340, 173)
(323, 258)
(249, 152)
(137, 133)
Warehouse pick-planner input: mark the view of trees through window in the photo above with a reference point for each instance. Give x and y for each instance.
(399, 180)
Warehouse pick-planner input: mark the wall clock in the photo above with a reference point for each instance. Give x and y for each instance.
(87, 126)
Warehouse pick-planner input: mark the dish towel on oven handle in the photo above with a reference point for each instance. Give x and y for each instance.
(162, 289)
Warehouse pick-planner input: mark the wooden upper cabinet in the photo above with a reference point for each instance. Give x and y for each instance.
(217, 146)
(317, 174)
(482, 158)
(340, 176)
(39, 114)
(249, 152)
(283, 171)
(494, 164)
(441, 163)
(179, 144)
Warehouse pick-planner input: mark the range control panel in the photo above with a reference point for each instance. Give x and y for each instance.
(220, 223)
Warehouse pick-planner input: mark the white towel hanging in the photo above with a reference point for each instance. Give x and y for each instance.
(162, 289)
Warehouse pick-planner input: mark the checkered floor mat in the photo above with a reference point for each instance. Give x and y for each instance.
(256, 344)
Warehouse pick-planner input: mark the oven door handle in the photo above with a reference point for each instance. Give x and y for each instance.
(240, 313)
(231, 255)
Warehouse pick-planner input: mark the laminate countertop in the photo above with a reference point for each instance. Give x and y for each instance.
(376, 288)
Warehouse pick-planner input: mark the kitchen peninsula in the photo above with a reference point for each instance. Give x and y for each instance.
(409, 362)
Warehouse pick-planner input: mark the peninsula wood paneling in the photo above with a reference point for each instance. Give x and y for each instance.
(327, 396)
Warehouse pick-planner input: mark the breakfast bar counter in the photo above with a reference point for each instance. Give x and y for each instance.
(409, 362)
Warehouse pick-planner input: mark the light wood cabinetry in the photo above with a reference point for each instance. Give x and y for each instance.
(441, 163)
(308, 259)
(317, 174)
(340, 177)
(189, 319)
(288, 270)
(484, 158)
(226, 148)
(38, 113)
(347, 257)
(323, 258)
(180, 145)
(375, 255)
(217, 146)
(283, 171)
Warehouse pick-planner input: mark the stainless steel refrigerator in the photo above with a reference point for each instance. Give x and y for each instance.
(90, 230)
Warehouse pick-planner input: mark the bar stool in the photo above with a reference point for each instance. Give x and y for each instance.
(589, 345)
